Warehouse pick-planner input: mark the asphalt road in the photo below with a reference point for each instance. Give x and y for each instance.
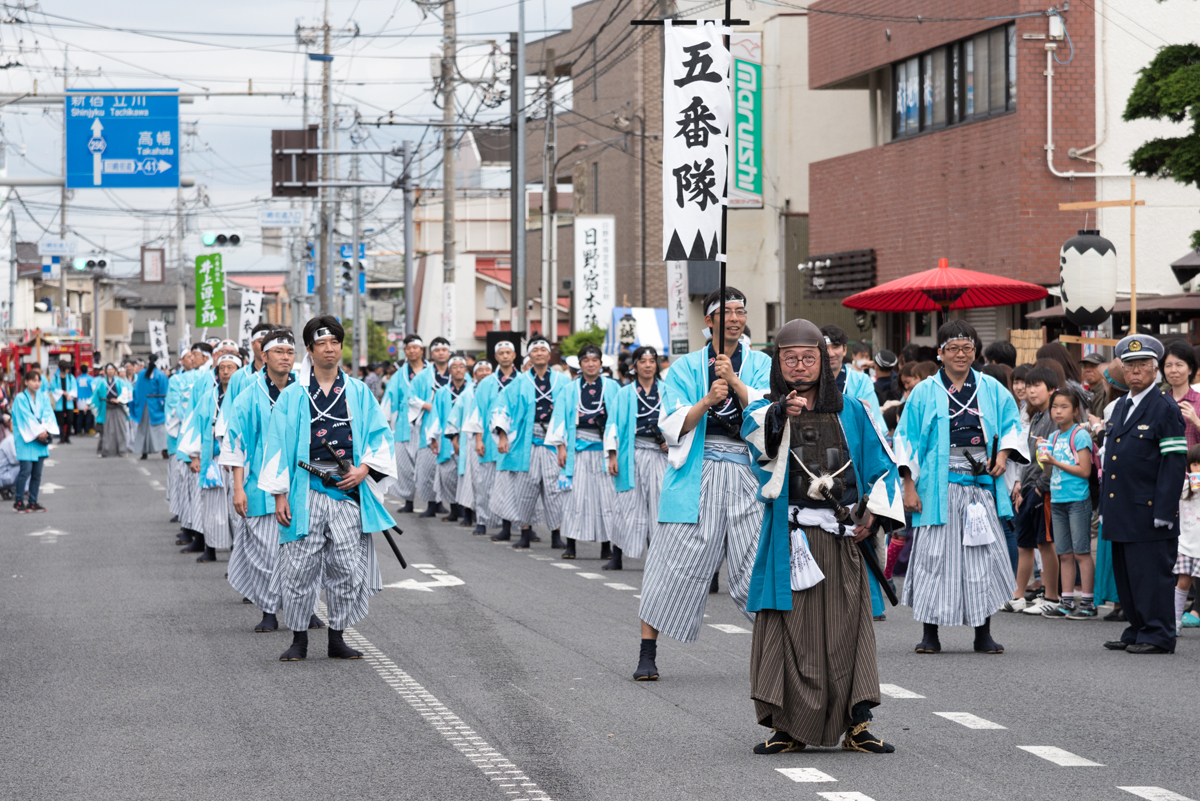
(129, 671)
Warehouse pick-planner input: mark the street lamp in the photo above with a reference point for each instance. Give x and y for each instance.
(1088, 279)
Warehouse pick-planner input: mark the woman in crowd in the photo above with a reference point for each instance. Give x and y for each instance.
(1179, 369)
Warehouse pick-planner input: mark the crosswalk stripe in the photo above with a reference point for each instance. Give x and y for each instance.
(969, 720)
(896, 691)
(1058, 756)
(806, 775)
(1155, 794)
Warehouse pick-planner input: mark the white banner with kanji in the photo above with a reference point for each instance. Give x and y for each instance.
(158, 341)
(251, 313)
(697, 106)
(595, 270)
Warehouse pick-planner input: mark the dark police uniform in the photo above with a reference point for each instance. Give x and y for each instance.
(1145, 462)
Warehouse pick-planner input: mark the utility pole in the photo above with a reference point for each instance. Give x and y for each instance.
(360, 301)
(62, 218)
(549, 186)
(181, 321)
(517, 249)
(448, 255)
(327, 144)
(410, 280)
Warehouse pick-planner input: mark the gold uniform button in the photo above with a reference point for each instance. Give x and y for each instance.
(1110, 494)
(1149, 503)
(1114, 458)
(1118, 439)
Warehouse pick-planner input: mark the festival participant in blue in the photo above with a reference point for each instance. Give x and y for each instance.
(325, 533)
(34, 427)
(65, 391)
(953, 441)
(256, 543)
(198, 380)
(581, 411)
(200, 445)
(443, 437)
(487, 391)
(854, 383)
(179, 390)
(465, 419)
(406, 423)
(83, 402)
(1144, 466)
(708, 512)
(824, 472)
(149, 410)
(637, 458)
(254, 366)
(111, 398)
(420, 408)
(527, 468)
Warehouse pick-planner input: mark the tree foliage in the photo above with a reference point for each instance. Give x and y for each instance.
(377, 343)
(1169, 88)
(571, 345)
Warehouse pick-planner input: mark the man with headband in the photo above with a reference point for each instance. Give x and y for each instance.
(484, 440)
(421, 408)
(250, 372)
(824, 471)
(200, 445)
(464, 417)
(405, 421)
(443, 437)
(708, 511)
(256, 544)
(952, 443)
(325, 534)
(850, 382)
(198, 361)
(528, 466)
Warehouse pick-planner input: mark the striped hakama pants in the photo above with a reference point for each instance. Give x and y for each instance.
(177, 481)
(637, 509)
(191, 514)
(680, 566)
(426, 474)
(515, 495)
(446, 481)
(485, 485)
(952, 584)
(252, 563)
(406, 466)
(216, 505)
(335, 553)
(809, 666)
(466, 482)
(589, 507)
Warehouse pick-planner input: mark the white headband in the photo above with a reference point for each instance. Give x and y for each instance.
(454, 359)
(226, 343)
(229, 357)
(716, 304)
(504, 344)
(279, 342)
(416, 342)
(481, 365)
(537, 343)
(322, 333)
(956, 336)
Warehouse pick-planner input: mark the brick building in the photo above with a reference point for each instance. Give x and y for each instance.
(958, 160)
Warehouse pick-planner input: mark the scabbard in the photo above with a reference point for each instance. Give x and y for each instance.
(868, 555)
(387, 535)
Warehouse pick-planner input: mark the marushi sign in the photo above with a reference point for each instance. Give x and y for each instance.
(746, 189)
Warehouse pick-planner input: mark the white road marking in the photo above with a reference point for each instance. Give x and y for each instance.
(618, 586)
(806, 775)
(565, 566)
(49, 463)
(590, 575)
(895, 691)
(846, 797)
(541, 558)
(493, 764)
(1155, 794)
(49, 535)
(1059, 757)
(729, 628)
(50, 488)
(418, 567)
(440, 579)
(156, 486)
(143, 471)
(969, 720)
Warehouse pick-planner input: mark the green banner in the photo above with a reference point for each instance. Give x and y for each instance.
(210, 291)
(747, 135)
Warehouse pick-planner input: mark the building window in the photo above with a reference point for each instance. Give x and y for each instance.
(139, 338)
(168, 316)
(959, 82)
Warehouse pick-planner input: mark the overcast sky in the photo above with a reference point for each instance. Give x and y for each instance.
(386, 68)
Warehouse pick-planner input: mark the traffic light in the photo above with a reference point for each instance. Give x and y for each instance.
(89, 264)
(347, 277)
(221, 238)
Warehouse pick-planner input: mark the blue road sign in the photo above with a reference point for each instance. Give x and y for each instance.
(122, 141)
(346, 249)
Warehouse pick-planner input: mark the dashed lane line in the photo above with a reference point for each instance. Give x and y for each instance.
(565, 566)
(806, 775)
(1060, 757)
(590, 575)
(846, 797)
(1155, 794)
(970, 721)
(729, 628)
(896, 691)
(143, 471)
(618, 586)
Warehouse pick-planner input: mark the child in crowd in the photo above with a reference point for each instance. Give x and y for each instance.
(1070, 459)
(1187, 564)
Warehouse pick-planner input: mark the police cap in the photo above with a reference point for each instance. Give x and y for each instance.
(1139, 346)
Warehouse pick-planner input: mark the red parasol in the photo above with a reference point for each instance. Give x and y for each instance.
(945, 288)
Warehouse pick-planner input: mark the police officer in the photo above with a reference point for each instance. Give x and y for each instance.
(1145, 460)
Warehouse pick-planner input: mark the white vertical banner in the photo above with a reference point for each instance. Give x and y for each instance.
(158, 341)
(185, 339)
(697, 106)
(449, 316)
(595, 270)
(677, 306)
(251, 313)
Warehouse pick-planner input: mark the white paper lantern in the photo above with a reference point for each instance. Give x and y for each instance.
(1088, 278)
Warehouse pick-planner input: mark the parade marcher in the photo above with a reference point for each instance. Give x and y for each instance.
(486, 393)
(10, 466)
(405, 420)
(1145, 462)
(527, 467)
(850, 382)
(813, 674)
(34, 427)
(325, 531)
(249, 374)
(887, 380)
(256, 544)
(149, 410)
(443, 438)
(581, 411)
(64, 388)
(461, 416)
(708, 511)
(196, 381)
(176, 470)
(637, 458)
(200, 444)
(111, 397)
(83, 402)
(953, 442)
(424, 386)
